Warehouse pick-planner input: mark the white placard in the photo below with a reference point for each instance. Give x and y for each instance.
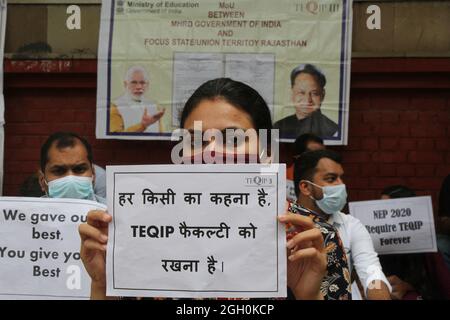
(39, 248)
(216, 235)
(396, 226)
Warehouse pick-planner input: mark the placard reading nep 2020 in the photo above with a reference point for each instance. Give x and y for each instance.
(398, 225)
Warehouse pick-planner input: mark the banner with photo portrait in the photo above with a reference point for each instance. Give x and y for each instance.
(153, 55)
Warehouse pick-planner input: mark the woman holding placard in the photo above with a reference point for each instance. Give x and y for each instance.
(222, 104)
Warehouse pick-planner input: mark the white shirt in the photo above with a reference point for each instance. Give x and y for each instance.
(356, 295)
(133, 110)
(359, 249)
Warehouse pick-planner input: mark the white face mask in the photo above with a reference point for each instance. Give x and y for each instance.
(74, 187)
(334, 198)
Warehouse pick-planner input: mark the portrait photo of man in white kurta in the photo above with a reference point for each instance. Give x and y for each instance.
(132, 111)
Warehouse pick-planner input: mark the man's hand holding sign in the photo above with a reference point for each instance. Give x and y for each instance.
(307, 260)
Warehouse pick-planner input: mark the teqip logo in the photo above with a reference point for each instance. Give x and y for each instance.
(317, 6)
(258, 181)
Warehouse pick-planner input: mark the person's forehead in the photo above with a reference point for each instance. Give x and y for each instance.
(305, 78)
(218, 114)
(137, 75)
(313, 145)
(68, 155)
(326, 165)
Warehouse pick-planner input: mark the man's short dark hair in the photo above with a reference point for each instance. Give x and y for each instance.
(63, 140)
(309, 69)
(305, 165)
(398, 191)
(302, 141)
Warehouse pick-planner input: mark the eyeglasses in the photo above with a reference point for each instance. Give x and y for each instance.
(135, 83)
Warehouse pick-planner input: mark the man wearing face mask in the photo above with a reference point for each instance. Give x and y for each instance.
(66, 168)
(321, 193)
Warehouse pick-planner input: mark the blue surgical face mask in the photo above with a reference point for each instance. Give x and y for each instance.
(74, 187)
(334, 198)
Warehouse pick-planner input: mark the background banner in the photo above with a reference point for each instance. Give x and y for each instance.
(154, 54)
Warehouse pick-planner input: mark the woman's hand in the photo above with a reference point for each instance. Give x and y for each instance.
(94, 237)
(307, 259)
